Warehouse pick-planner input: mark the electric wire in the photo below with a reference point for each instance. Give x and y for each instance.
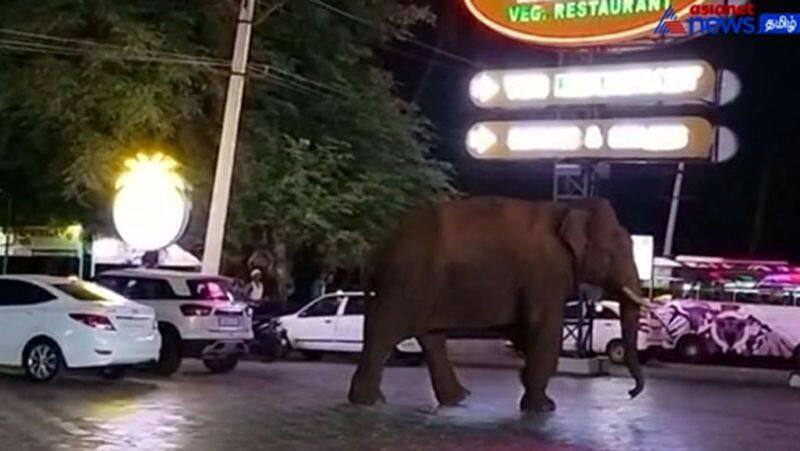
(417, 42)
(109, 52)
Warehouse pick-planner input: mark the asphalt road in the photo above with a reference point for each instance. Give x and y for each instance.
(301, 405)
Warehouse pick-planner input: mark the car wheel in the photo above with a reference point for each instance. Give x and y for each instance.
(221, 365)
(169, 357)
(113, 373)
(796, 358)
(615, 350)
(312, 355)
(42, 360)
(692, 349)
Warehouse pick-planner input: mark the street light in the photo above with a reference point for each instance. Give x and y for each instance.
(150, 208)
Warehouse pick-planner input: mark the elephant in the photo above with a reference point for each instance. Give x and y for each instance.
(492, 263)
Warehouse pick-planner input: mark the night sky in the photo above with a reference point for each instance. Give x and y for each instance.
(720, 202)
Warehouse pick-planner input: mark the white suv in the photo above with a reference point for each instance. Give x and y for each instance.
(334, 322)
(197, 315)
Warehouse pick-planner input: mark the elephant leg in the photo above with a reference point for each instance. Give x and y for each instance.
(366, 382)
(449, 392)
(541, 360)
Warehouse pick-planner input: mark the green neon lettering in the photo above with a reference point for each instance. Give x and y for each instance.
(603, 10)
(525, 14)
(571, 10)
(654, 5)
(581, 12)
(627, 6)
(513, 13)
(558, 11)
(616, 7)
(593, 7)
(641, 6)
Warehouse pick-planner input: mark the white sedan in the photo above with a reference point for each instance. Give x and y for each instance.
(51, 323)
(334, 322)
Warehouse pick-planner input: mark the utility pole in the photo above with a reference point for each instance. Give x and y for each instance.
(220, 195)
(7, 231)
(673, 209)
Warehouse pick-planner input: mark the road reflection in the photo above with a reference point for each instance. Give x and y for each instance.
(156, 421)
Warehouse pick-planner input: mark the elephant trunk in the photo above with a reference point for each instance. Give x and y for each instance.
(630, 327)
(631, 303)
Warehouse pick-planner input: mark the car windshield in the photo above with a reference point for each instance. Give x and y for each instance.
(211, 289)
(85, 291)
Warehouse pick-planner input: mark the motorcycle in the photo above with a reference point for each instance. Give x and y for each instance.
(269, 339)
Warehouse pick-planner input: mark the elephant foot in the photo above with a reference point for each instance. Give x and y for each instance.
(538, 404)
(453, 397)
(365, 397)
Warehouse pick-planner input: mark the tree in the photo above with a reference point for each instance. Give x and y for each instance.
(329, 154)
(84, 90)
(339, 156)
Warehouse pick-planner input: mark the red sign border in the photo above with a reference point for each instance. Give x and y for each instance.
(583, 41)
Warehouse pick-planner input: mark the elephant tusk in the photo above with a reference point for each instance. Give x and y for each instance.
(636, 298)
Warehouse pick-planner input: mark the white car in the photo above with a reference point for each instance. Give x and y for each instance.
(51, 323)
(334, 322)
(606, 333)
(197, 315)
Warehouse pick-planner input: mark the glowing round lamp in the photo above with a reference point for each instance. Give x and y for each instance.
(150, 207)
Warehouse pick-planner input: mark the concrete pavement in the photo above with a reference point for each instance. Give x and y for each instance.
(301, 405)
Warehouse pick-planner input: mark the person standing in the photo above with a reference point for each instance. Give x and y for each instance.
(255, 288)
(319, 285)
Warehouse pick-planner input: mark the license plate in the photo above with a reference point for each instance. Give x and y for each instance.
(230, 322)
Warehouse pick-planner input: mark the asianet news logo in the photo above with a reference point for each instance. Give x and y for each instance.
(726, 19)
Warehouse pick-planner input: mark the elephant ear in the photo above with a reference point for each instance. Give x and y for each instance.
(574, 231)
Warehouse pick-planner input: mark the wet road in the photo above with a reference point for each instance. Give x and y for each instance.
(300, 405)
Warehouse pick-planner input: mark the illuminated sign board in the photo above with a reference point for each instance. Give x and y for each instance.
(674, 81)
(665, 138)
(643, 255)
(575, 23)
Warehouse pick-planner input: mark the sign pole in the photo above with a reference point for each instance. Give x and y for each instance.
(220, 196)
(673, 209)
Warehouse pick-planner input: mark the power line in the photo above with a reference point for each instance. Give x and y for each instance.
(34, 47)
(262, 68)
(290, 84)
(114, 47)
(367, 23)
(261, 71)
(147, 55)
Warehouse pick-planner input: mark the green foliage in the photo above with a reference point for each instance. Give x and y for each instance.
(340, 159)
(89, 106)
(329, 154)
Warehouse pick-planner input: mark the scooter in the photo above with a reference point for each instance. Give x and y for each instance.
(269, 339)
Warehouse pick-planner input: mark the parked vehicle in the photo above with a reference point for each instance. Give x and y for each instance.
(48, 324)
(268, 343)
(606, 333)
(197, 315)
(743, 310)
(747, 323)
(334, 322)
